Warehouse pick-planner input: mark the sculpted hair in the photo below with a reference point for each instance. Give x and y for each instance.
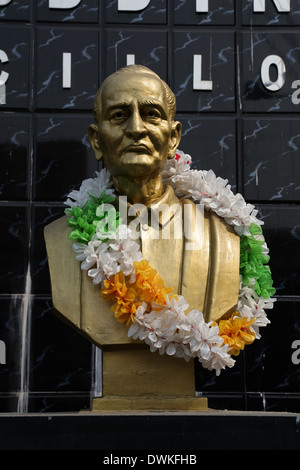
(170, 97)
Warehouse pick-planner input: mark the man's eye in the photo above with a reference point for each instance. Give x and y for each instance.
(152, 114)
(119, 115)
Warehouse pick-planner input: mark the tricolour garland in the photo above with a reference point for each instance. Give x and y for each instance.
(139, 296)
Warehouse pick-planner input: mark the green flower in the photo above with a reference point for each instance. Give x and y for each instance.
(254, 263)
(95, 216)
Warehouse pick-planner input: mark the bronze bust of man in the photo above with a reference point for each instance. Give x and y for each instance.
(134, 134)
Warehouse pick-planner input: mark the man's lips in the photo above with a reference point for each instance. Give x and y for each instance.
(138, 148)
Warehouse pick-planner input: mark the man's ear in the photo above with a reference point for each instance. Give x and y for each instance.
(175, 138)
(94, 141)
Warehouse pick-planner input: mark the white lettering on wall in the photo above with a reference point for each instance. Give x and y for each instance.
(259, 6)
(3, 75)
(66, 81)
(295, 95)
(198, 83)
(202, 6)
(4, 2)
(130, 59)
(265, 72)
(2, 94)
(63, 4)
(2, 352)
(132, 5)
(3, 78)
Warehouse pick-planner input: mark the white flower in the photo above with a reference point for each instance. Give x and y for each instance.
(97, 260)
(158, 329)
(176, 167)
(91, 253)
(204, 342)
(176, 307)
(212, 191)
(169, 330)
(126, 251)
(138, 329)
(90, 186)
(250, 305)
(80, 250)
(106, 267)
(218, 360)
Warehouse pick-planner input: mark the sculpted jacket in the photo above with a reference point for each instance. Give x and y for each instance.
(199, 260)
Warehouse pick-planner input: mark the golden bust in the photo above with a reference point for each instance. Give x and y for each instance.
(135, 133)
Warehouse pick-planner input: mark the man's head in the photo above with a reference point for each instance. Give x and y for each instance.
(135, 131)
(129, 69)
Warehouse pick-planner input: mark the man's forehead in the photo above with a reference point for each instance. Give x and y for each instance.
(124, 85)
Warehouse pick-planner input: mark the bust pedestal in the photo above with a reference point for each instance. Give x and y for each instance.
(141, 380)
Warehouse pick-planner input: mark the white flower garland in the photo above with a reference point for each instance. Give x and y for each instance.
(169, 329)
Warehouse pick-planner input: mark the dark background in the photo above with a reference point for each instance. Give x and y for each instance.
(241, 130)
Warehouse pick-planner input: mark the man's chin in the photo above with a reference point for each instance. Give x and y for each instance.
(139, 164)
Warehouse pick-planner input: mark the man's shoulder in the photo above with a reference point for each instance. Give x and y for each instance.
(213, 218)
(59, 247)
(57, 231)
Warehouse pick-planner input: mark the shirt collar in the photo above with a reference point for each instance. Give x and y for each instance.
(167, 198)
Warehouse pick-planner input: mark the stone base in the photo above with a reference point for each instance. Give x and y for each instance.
(106, 433)
(149, 404)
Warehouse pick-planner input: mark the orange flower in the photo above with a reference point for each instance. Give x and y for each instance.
(124, 298)
(115, 286)
(149, 285)
(125, 308)
(236, 332)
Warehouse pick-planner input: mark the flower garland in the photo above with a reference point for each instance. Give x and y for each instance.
(139, 296)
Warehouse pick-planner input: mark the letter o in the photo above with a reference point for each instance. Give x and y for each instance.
(265, 72)
(3, 75)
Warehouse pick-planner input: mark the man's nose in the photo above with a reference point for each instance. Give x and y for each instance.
(136, 127)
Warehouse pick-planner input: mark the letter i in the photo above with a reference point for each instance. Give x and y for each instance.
(66, 81)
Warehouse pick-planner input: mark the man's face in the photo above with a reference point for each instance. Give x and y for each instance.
(135, 134)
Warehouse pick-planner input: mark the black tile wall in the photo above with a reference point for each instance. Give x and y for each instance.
(218, 64)
(63, 155)
(271, 164)
(147, 13)
(219, 136)
(16, 42)
(51, 42)
(221, 12)
(237, 125)
(148, 49)
(15, 158)
(83, 12)
(256, 46)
